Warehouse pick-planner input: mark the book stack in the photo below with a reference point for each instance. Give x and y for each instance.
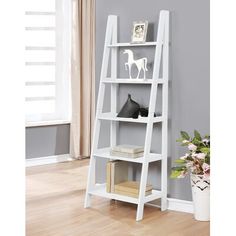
(117, 180)
(117, 172)
(131, 151)
(131, 189)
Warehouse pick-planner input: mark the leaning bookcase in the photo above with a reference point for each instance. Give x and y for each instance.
(161, 62)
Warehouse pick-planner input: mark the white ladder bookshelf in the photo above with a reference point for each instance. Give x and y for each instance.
(111, 47)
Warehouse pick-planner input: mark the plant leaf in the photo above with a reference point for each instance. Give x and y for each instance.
(197, 135)
(179, 161)
(189, 158)
(175, 174)
(205, 150)
(184, 144)
(195, 141)
(184, 135)
(207, 159)
(180, 140)
(179, 168)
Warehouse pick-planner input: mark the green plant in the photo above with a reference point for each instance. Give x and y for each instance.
(197, 160)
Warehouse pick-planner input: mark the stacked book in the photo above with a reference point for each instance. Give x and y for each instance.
(117, 180)
(117, 172)
(131, 189)
(131, 151)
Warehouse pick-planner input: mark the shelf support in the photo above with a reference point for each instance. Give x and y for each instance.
(97, 126)
(165, 113)
(164, 15)
(114, 87)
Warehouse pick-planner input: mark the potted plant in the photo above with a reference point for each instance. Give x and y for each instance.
(196, 162)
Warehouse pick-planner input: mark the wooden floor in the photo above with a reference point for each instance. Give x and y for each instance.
(54, 207)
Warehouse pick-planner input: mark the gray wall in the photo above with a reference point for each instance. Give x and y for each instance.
(189, 75)
(47, 141)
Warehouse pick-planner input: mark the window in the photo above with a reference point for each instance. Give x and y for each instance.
(47, 60)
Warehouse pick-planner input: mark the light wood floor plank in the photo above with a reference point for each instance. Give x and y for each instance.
(54, 207)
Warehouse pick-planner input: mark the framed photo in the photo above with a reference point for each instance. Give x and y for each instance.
(139, 32)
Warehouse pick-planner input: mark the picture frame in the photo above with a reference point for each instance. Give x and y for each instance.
(139, 32)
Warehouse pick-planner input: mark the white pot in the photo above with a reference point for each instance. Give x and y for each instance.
(201, 197)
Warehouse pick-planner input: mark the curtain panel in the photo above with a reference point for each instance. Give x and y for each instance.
(82, 78)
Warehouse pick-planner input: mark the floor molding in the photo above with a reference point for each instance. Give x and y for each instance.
(48, 160)
(180, 205)
(174, 204)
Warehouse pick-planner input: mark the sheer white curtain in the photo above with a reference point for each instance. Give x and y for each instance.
(82, 77)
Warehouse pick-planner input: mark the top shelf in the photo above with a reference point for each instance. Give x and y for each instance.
(133, 44)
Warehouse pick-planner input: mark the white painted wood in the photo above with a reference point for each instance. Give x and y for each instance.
(105, 153)
(47, 160)
(179, 205)
(110, 116)
(149, 129)
(101, 93)
(114, 87)
(143, 182)
(165, 111)
(132, 44)
(46, 123)
(133, 81)
(100, 190)
(174, 204)
(111, 46)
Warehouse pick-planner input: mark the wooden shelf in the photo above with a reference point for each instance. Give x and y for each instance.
(105, 153)
(113, 117)
(133, 44)
(100, 190)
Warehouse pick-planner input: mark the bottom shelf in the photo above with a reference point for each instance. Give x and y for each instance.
(100, 190)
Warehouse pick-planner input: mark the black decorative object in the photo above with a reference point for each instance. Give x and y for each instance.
(130, 109)
(143, 112)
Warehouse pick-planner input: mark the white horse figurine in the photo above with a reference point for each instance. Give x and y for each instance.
(141, 63)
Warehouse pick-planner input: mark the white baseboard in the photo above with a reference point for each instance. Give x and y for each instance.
(174, 204)
(180, 205)
(48, 160)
